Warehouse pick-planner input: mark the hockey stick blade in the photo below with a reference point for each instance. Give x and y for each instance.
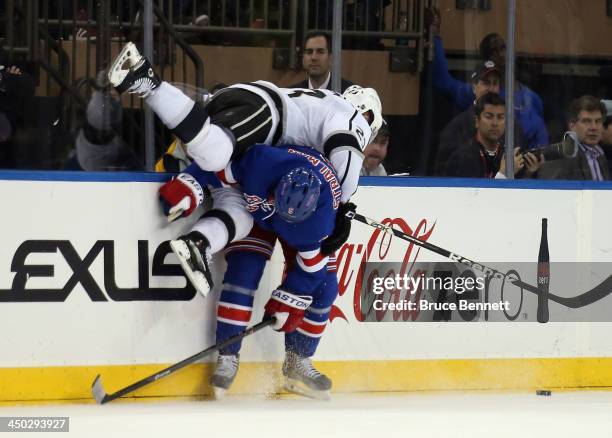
(98, 392)
(102, 397)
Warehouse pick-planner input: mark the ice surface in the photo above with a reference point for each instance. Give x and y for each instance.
(475, 414)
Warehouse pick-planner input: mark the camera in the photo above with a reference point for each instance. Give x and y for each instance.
(567, 148)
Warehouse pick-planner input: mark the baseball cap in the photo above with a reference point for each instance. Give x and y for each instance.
(483, 69)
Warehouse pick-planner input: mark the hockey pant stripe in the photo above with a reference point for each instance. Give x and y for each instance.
(312, 328)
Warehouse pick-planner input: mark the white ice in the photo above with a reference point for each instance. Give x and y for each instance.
(474, 414)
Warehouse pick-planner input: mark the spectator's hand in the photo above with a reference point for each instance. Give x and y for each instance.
(13, 70)
(519, 162)
(81, 34)
(532, 163)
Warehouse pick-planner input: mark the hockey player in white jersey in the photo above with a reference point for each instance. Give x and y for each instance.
(258, 112)
(239, 116)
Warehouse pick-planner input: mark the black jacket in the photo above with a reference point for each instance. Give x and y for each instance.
(461, 130)
(304, 84)
(470, 160)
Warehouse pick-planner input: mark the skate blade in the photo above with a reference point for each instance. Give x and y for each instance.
(219, 393)
(299, 388)
(119, 70)
(196, 278)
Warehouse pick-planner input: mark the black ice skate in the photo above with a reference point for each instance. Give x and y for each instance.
(132, 72)
(225, 372)
(193, 252)
(302, 378)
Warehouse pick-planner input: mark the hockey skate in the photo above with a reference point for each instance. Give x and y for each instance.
(302, 378)
(193, 252)
(132, 72)
(225, 372)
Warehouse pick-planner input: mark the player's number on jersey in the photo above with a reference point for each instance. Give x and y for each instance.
(313, 93)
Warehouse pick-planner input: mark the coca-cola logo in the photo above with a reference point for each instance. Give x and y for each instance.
(378, 247)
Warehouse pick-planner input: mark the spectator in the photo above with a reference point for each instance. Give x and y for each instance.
(16, 94)
(606, 136)
(483, 155)
(586, 120)
(375, 153)
(98, 144)
(317, 61)
(529, 110)
(486, 78)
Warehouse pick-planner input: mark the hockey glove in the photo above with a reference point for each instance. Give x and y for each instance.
(288, 309)
(181, 196)
(341, 232)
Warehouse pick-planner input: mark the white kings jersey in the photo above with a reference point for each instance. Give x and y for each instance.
(321, 119)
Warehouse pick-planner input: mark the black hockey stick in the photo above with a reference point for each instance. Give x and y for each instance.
(443, 252)
(102, 397)
(586, 298)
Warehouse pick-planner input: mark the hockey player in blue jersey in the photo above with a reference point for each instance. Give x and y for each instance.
(293, 195)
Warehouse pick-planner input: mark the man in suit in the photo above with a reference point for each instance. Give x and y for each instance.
(586, 120)
(317, 60)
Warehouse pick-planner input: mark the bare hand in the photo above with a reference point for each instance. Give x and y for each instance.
(519, 162)
(532, 163)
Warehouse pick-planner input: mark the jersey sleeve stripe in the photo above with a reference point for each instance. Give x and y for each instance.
(311, 261)
(339, 140)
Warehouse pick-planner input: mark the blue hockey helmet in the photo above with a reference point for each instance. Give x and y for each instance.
(296, 194)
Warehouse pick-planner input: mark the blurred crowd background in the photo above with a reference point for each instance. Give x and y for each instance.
(439, 66)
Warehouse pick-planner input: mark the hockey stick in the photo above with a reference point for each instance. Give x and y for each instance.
(586, 298)
(443, 252)
(101, 397)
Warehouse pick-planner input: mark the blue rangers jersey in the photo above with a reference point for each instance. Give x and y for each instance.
(257, 173)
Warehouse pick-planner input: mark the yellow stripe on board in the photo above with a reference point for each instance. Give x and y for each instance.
(64, 383)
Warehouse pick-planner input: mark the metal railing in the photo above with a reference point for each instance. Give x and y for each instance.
(70, 41)
(366, 22)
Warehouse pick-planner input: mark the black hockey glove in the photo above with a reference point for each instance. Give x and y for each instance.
(341, 232)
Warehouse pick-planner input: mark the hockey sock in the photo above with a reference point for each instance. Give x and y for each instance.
(170, 104)
(215, 231)
(244, 270)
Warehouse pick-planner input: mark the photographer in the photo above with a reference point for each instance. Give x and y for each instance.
(483, 155)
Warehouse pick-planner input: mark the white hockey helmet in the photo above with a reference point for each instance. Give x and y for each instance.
(364, 100)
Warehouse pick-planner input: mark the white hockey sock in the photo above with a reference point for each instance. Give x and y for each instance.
(212, 148)
(215, 231)
(170, 104)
